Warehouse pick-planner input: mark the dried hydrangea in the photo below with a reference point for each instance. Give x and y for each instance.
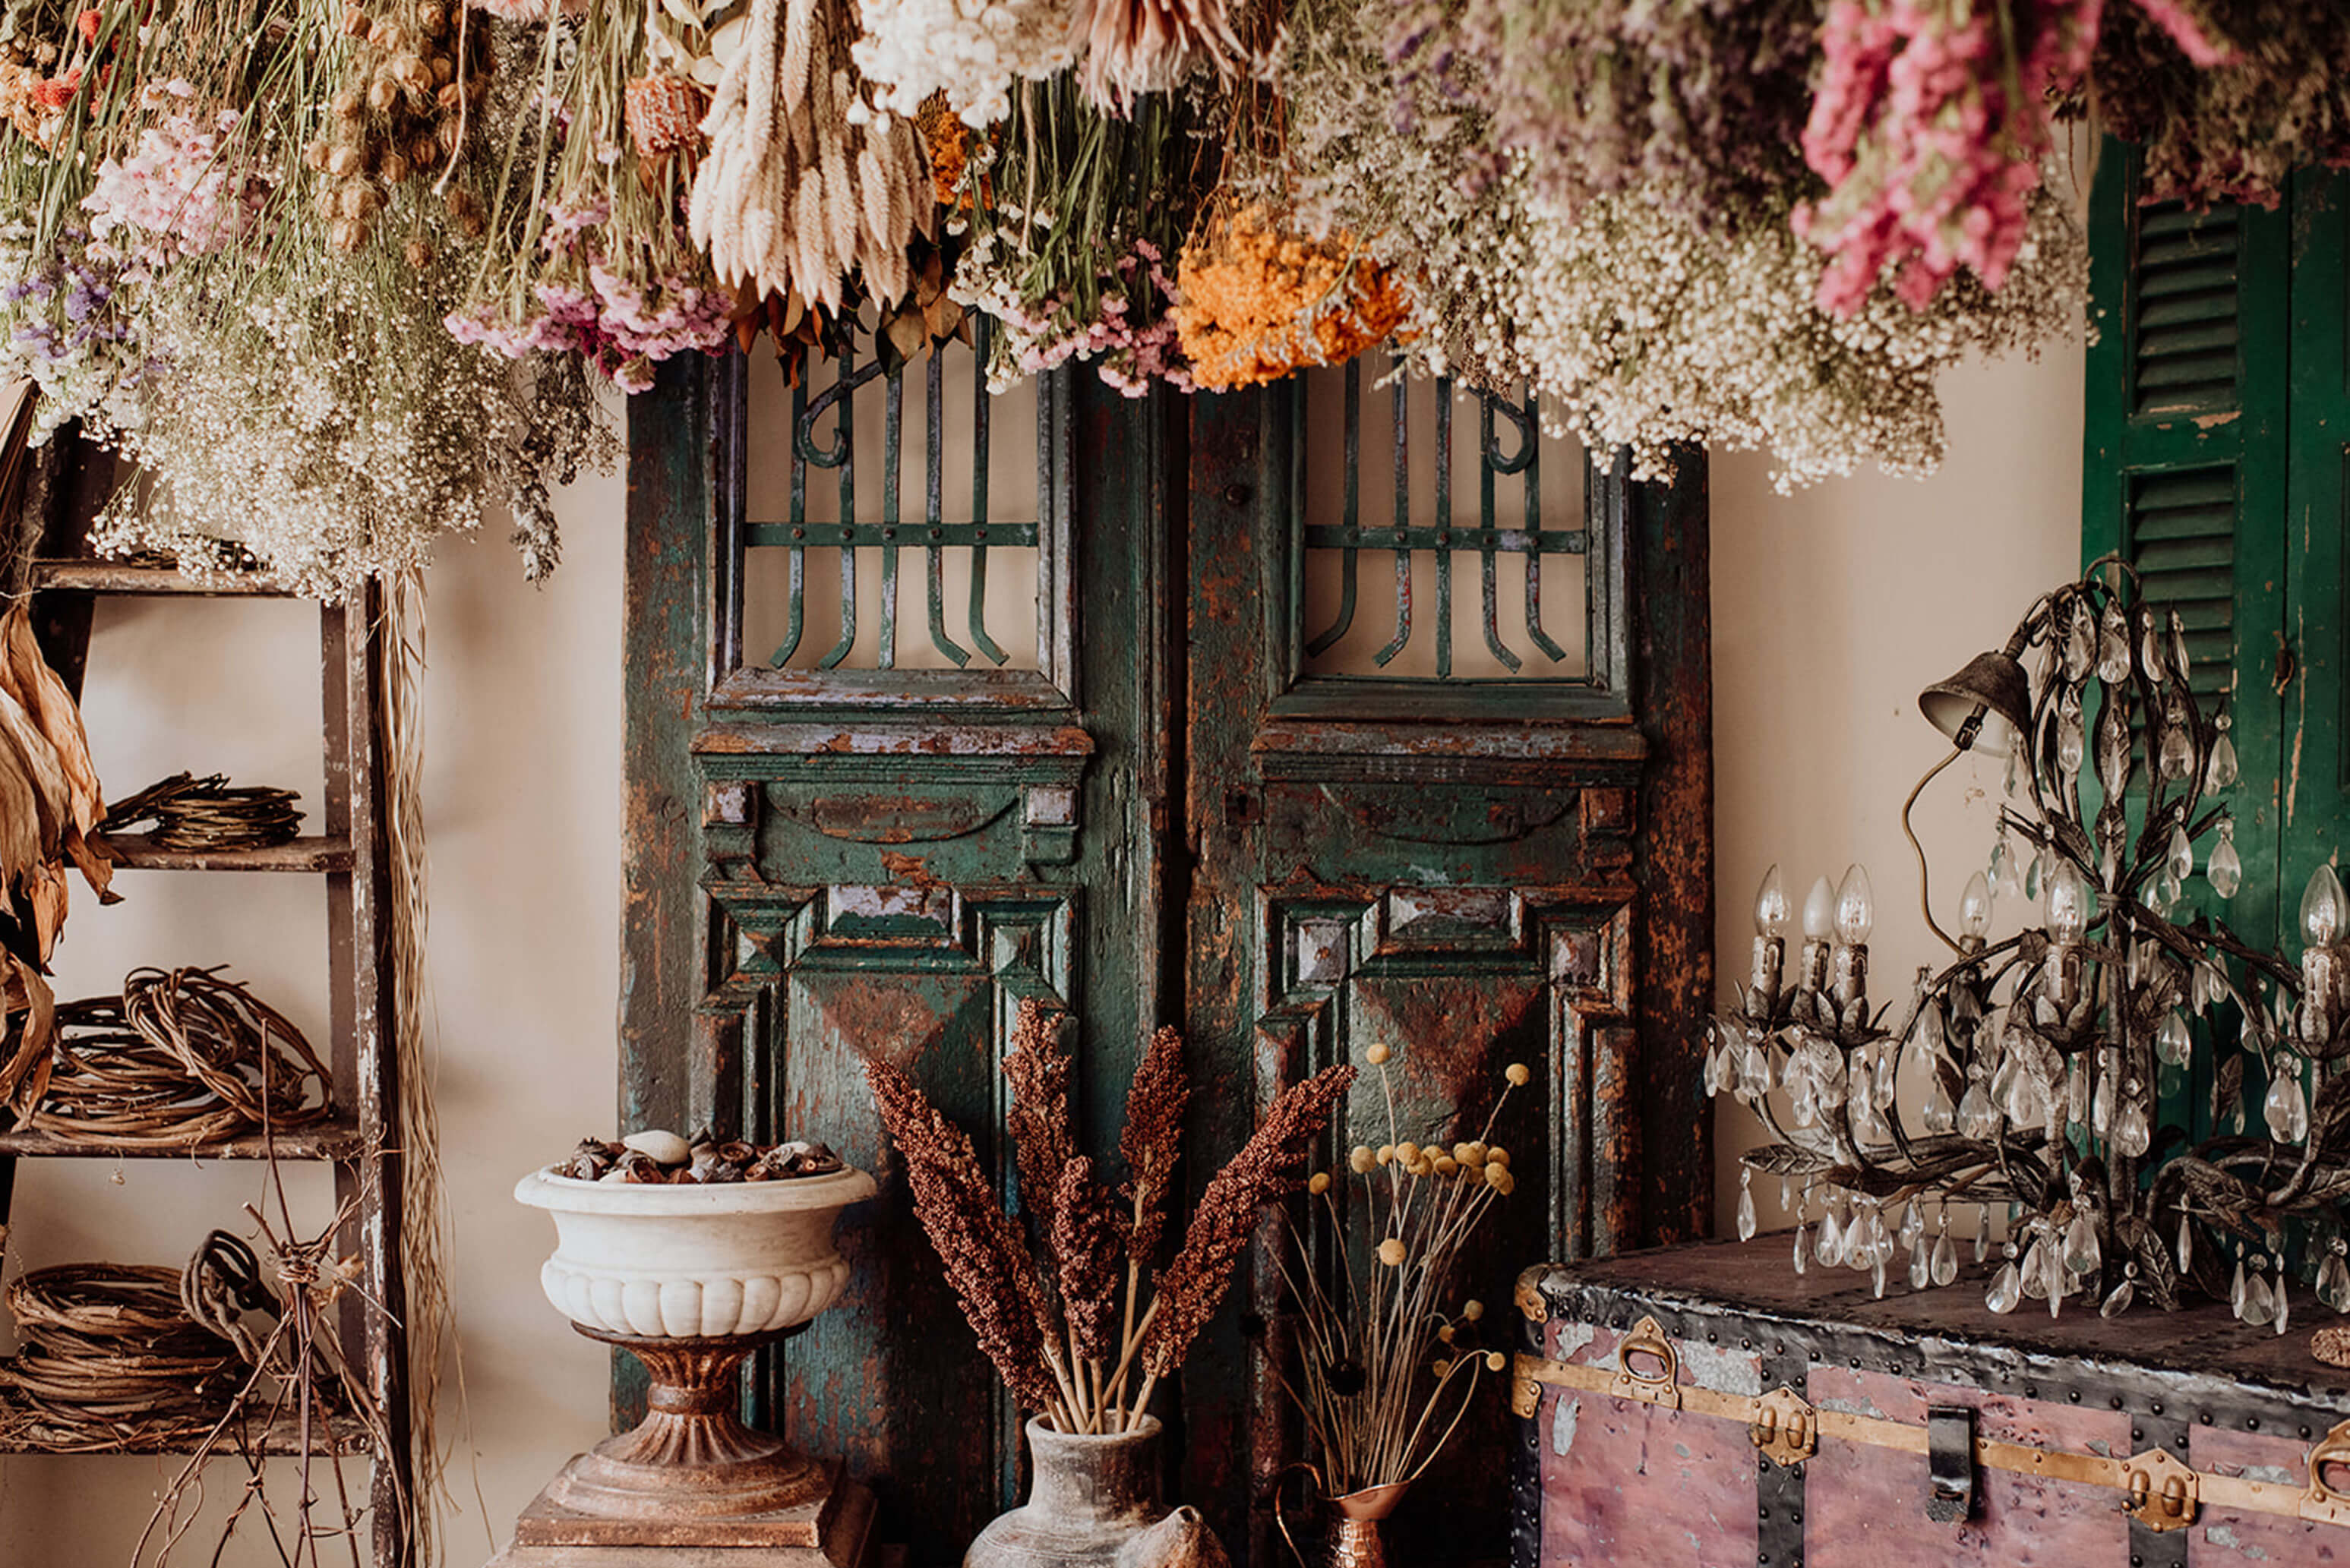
(1698, 102)
(186, 190)
(2262, 96)
(969, 50)
(68, 324)
(328, 440)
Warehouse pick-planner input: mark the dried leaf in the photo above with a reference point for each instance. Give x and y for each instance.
(24, 1076)
(907, 334)
(2227, 1086)
(1785, 1160)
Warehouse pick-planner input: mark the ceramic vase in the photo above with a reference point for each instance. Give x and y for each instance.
(1094, 1503)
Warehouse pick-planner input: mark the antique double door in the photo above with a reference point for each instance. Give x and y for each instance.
(1303, 718)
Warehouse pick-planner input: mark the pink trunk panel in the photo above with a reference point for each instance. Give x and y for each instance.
(1864, 1507)
(1628, 1485)
(2219, 1539)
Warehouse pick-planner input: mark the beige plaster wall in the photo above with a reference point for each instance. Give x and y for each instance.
(1831, 609)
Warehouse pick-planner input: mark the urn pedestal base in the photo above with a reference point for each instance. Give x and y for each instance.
(691, 1483)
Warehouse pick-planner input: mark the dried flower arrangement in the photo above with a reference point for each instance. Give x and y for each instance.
(335, 274)
(656, 1156)
(1380, 1353)
(1042, 1292)
(1260, 301)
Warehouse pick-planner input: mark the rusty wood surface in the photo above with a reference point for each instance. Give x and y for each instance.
(1672, 684)
(361, 1003)
(672, 483)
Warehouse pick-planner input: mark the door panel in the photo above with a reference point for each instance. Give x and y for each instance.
(1199, 801)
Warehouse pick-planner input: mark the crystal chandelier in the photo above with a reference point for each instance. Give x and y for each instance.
(2082, 1085)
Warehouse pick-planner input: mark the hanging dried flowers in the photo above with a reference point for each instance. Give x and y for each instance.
(1260, 301)
(1646, 329)
(2225, 97)
(805, 186)
(967, 52)
(1696, 104)
(1044, 1302)
(1137, 47)
(1070, 236)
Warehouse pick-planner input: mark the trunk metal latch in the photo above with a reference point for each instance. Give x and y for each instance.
(1786, 1430)
(1950, 1463)
(2162, 1493)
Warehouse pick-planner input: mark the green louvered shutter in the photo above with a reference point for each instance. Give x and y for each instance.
(2183, 470)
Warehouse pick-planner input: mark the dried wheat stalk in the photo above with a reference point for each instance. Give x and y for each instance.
(1058, 1352)
(803, 184)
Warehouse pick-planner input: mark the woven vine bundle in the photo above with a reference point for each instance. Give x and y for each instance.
(109, 1358)
(181, 1057)
(191, 813)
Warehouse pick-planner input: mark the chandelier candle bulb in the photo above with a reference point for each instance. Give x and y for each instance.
(1770, 913)
(1819, 920)
(2322, 910)
(1974, 913)
(1856, 918)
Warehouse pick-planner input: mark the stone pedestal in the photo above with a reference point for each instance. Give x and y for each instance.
(691, 1484)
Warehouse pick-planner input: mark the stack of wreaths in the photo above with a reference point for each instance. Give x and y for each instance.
(181, 1057)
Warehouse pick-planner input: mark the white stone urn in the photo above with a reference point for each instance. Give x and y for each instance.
(689, 1279)
(693, 1260)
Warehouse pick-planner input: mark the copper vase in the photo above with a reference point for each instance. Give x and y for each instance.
(1354, 1540)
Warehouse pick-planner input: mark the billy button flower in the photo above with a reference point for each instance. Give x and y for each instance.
(1391, 1252)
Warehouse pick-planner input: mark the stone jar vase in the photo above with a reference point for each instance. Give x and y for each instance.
(1094, 1503)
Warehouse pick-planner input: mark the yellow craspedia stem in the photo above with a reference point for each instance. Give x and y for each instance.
(1517, 1073)
(1361, 1160)
(1376, 1054)
(1495, 1361)
(1320, 1183)
(1391, 1252)
(1472, 1309)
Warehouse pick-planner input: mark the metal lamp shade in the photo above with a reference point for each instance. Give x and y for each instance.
(1992, 689)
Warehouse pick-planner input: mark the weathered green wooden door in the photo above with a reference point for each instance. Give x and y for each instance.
(1158, 786)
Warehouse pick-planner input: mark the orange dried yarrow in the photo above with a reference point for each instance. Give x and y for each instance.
(949, 143)
(663, 114)
(1260, 302)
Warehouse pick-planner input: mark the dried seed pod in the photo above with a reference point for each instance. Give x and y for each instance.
(424, 151)
(386, 34)
(355, 22)
(642, 1169)
(324, 202)
(413, 74)
(463, 204)
(449, 98)
(580, 1167)
(445, 69)
(347, 235)
(382, 93)
(347, 104)
(346, 162)
(738, 1153)
(393, 168)
(431, 21)
(358, 201)
(315, 156)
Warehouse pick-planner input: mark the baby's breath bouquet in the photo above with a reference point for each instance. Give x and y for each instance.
(1388, 1366)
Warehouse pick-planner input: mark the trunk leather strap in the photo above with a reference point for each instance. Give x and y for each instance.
(2157, 1489)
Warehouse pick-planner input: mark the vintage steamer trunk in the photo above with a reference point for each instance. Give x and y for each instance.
(1707, 1406)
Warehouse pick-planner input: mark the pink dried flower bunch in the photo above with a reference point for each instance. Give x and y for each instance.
(186, 188)
(1130, 343)
(619, 322)
(1045, 1304)
(1929, 149)
(1930, 124)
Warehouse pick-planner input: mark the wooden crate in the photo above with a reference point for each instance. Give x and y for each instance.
(1706, 1407)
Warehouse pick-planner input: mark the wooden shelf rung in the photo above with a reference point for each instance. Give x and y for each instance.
(327, 1140)
(124, 577)
(139, 852)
